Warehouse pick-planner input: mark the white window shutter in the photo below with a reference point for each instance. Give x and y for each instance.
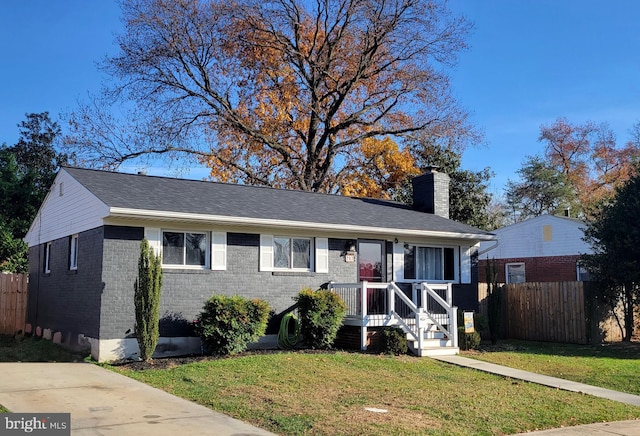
(322, 255)
(266, 252)
(398, 262)
(465, 264)
(154, 236)
(219, 251)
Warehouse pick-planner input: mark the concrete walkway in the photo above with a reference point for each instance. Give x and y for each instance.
(625, 428)
(102, 402)
(542, 379)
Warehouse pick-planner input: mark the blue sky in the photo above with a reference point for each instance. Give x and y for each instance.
(529, 62)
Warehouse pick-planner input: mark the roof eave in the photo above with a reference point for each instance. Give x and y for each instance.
(159, 215)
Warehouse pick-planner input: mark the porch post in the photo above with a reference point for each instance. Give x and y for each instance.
(363, 302)
(363, 338)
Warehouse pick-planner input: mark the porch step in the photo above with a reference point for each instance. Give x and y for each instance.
(433, 343)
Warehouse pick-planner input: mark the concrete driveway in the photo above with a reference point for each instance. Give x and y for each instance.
(102, 402)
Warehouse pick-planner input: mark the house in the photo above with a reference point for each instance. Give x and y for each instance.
(257, 242)
(546, 248)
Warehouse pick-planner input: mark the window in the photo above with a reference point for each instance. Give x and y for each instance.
(184, 248)
(73, 253)
(47, 258)
(429, 263)
(582, 273)
(291, 253)
(515, 273)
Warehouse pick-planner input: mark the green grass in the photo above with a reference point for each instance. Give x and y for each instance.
(3, 409)
(32, 349)
(326, 394)
(611, 366)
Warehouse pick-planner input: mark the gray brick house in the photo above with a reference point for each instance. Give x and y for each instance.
(231, 239)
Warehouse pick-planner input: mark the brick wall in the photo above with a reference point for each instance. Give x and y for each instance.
(185, 291)
(63, 300)
(537, 269)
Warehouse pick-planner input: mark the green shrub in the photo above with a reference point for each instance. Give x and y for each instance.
(393, 340)
(470, 341)
(227, 324)
(321, 314)
(146, 297)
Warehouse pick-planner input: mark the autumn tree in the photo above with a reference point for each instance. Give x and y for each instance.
(388, 167)
(279, 93)
(589, 158)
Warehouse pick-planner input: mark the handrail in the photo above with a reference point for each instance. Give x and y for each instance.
(398, 292)
(418, 310)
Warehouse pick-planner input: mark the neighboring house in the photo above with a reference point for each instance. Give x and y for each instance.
(546, 248)
(256, 242)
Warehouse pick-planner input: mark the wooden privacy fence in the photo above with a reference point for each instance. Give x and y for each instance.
(552, 312)
(13, 303)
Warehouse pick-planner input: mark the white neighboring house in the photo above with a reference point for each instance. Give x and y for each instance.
(546, 248)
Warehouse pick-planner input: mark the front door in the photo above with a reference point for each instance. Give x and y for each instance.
(372, 268)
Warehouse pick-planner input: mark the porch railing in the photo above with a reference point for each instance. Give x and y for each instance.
(377, 304)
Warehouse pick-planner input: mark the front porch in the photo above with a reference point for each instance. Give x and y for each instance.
(423, 310)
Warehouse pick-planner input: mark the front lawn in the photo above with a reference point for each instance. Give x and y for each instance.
(613, 366)
(329, 393)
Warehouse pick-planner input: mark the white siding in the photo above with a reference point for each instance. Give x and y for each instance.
(75, 211)
(527, 239)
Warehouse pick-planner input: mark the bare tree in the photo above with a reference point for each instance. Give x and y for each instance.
(274, 92)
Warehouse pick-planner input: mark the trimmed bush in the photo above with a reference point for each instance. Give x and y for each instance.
(393, 340)
(227, 324)
(321, 314)
(146, 297)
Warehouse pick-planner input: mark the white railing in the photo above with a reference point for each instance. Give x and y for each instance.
(439, 310)
(377, 304)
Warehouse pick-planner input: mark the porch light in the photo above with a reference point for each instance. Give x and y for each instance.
(350, 246)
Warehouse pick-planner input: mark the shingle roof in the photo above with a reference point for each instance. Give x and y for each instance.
(133, 191)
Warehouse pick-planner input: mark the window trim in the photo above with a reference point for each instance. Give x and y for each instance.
(73, 252)
(506, 271)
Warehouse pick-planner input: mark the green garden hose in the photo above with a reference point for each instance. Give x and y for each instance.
(287, 339)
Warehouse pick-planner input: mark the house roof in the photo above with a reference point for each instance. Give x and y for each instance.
(139, 196)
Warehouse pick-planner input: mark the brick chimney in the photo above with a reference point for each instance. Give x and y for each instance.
(431, 192)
